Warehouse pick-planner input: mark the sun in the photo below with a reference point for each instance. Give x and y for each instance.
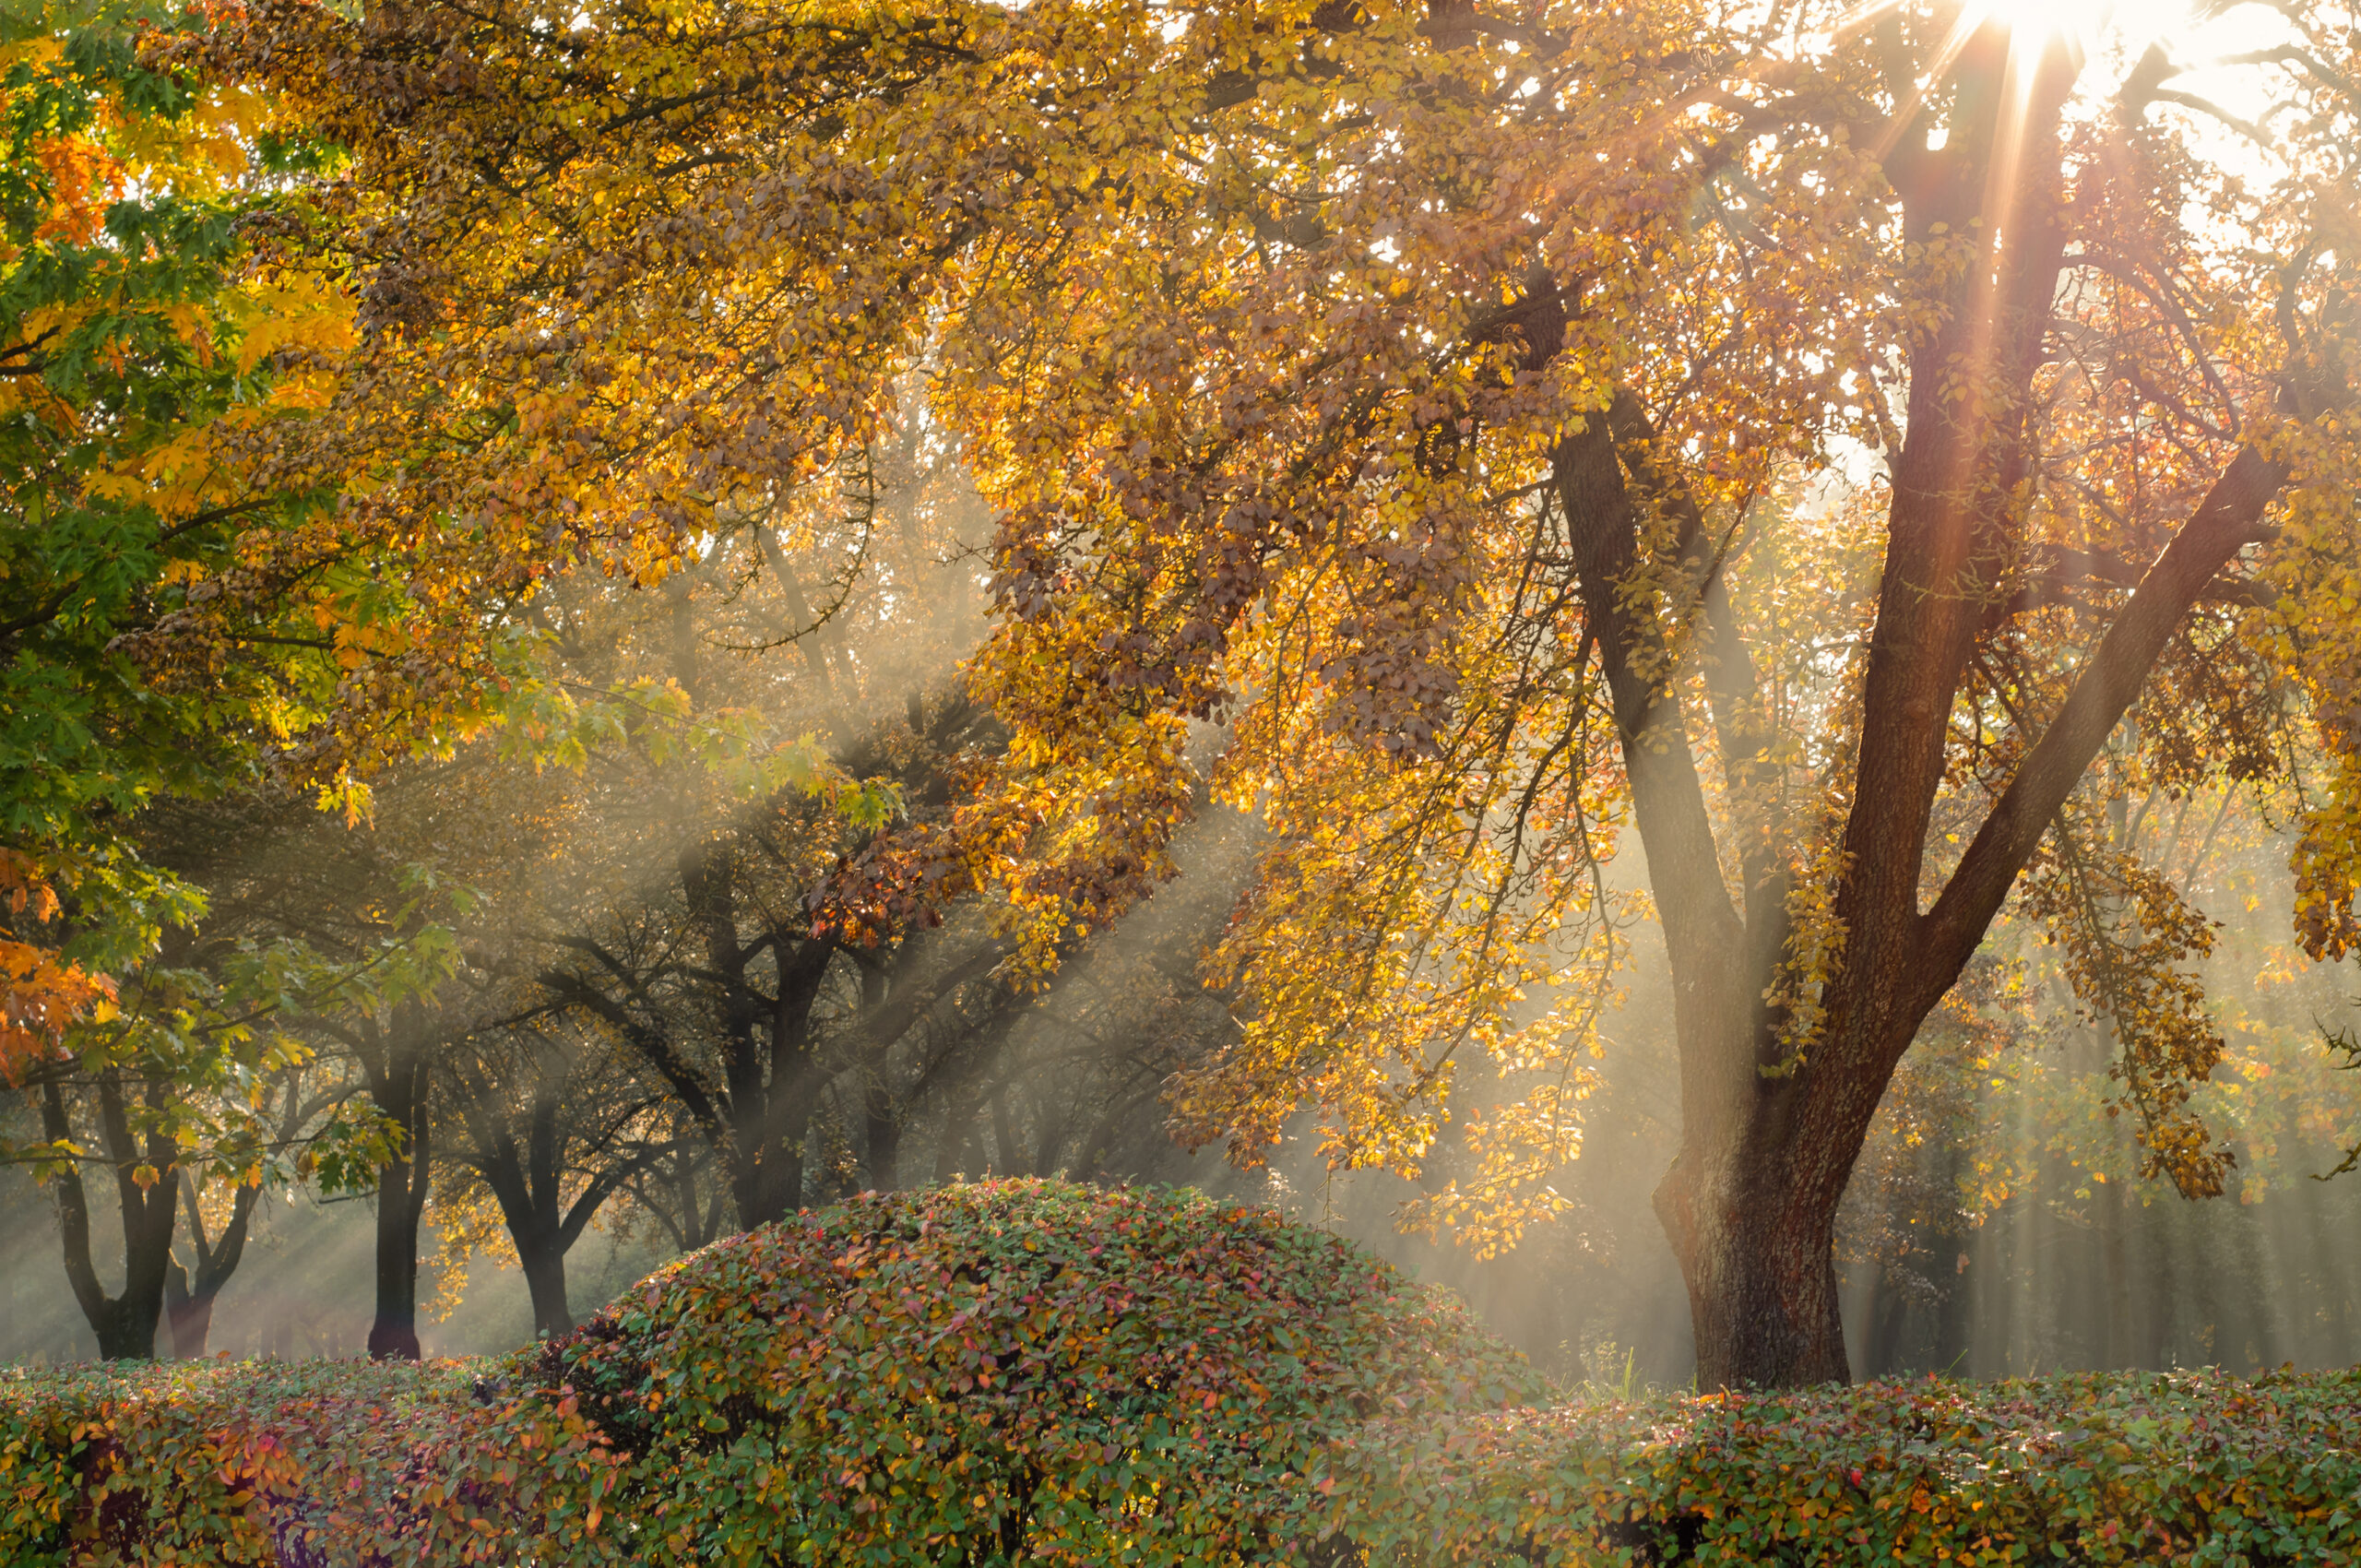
(2082, 22)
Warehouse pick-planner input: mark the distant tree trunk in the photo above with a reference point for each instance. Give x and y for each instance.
(958, 1083)
(882, 1123)
(771, 1079)
(1050, 1138)
(881, 1116)
(2116, 1349)
(1004, 1156)
(529, 1184)
(189, 1293)
(1091, 1165)
(2336, 1320)
(399, 1062)
(956, 1138)
(672, 1184)
(188, 1311)
(1889, 1316)
(770, 1086)
(545, 1282)
(148, 1188)
(401, 1206)
(2162, 1285)
(1954, 1316)
(771, 1134)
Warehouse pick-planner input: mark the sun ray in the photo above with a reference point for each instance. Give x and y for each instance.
(1946, 55)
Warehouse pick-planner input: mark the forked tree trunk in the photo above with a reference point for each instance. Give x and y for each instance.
(528, 1175)
(147, 1191)
(189, 1293)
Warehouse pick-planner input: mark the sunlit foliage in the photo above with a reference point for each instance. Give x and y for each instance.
(1796, 437)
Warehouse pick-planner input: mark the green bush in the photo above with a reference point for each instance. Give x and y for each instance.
(2126, 1467)
(1026, 1369)
(973, 1375)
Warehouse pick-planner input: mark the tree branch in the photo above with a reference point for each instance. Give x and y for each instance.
(2229, 518)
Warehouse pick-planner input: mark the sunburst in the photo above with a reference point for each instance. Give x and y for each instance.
(2032, 23)
(2088, 22)
(2038, 25)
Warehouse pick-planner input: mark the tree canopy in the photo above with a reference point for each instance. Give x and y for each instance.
(1798, 443)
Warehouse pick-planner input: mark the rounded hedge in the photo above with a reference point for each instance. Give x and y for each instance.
(985, 1374)
(1014, 1369)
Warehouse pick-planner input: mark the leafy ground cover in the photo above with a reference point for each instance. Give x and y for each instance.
(1034, 1372)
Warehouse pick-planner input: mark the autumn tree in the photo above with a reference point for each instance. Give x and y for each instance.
(129, 338)
(1795, 439)
(1522, 514)
(142, 336)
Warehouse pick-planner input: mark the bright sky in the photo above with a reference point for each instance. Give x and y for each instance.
(2117, 33)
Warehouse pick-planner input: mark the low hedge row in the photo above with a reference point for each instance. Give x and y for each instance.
(2087, 1469)
(1028, 1371)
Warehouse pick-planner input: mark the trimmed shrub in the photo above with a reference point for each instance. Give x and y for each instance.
(976, 1375)
(2126, 1467)
(1020, 1370)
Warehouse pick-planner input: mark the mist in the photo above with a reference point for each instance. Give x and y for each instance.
(2015, 1236)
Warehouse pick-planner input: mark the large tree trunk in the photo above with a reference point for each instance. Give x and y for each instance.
(1756, 1248)
(1775, 1109)
(1761, 1293)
